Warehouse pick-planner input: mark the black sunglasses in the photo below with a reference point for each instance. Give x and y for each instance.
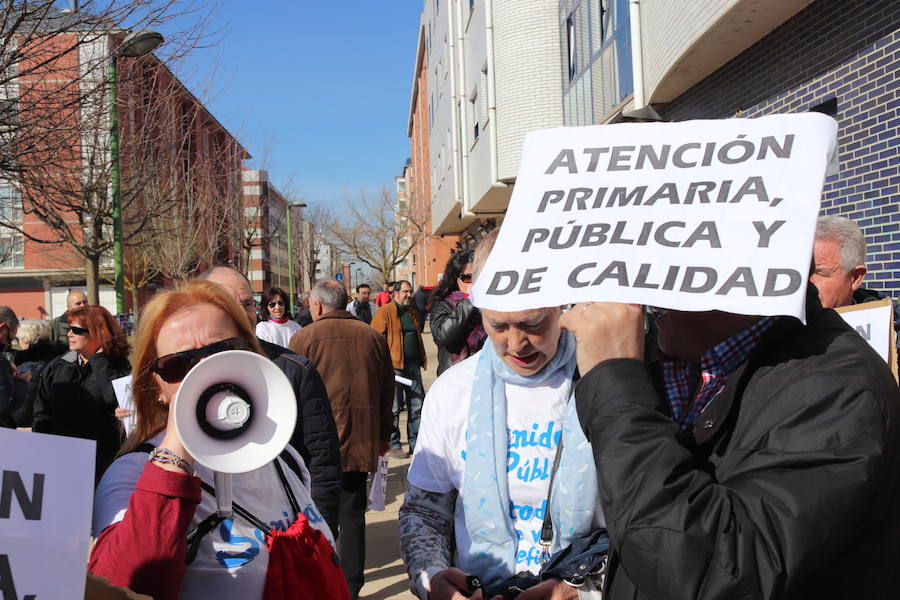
(465, 277)
(275, 303)
(79, 330)
(173, 368)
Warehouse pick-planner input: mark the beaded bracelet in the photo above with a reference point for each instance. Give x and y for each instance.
(166, 456)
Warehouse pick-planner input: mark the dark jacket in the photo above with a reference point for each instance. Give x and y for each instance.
(355, 363)
(387, 322)
(59, 329)
(315, 436)
(450, 326)
(10, 396)
(788, 485)
(79, 401)
(31, 361)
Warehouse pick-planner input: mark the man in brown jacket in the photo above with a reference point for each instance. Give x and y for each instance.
(355, 364)
(399, 322)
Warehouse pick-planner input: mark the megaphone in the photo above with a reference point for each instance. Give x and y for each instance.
(234, 412)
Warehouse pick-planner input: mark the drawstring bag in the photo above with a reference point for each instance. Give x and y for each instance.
(303, 565)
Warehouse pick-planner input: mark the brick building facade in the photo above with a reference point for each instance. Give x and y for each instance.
(840, 57)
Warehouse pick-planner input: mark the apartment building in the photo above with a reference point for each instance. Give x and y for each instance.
(430, 252)
(713, 59)
(492, 76)
(178, 167)
(265, 235)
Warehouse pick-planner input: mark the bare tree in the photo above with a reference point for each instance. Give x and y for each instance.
(379, 231)
(55, 123)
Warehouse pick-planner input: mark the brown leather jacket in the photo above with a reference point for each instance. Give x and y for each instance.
(387, 322)
(355, 364)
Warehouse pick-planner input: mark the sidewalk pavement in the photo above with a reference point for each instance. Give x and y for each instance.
(385, 576)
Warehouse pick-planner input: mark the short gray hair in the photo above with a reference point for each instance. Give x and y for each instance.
(848, 236)
(33, 330)
(330, 293)
(9, 317)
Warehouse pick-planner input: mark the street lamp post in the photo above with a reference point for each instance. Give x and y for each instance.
(292, 268)
(135, 44)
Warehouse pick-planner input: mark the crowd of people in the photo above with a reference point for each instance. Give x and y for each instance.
(753, 457)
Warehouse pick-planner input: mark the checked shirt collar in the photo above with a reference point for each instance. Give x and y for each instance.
(681, 378)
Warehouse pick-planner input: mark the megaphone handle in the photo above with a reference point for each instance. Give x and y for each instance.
(223, 494)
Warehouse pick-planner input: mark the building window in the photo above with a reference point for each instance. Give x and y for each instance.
(570, 46)
(10, 205)
(474, 116)
(11, 250)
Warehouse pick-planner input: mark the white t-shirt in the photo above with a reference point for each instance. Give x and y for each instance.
(277, 333)
(534, 425)
(233, 558)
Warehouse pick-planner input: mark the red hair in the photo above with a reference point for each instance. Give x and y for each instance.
(103, 328)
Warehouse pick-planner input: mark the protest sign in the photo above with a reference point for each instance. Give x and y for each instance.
(46, 494)
(696, 215)
(122, 388)
(874, 321)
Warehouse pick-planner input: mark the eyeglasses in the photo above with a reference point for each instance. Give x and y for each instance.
(275, 303)
(465, 277)
(79, 330)
(173, 368)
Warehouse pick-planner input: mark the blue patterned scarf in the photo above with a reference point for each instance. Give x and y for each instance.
(485, 494)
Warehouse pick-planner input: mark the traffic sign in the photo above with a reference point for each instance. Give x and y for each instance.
(339, 276)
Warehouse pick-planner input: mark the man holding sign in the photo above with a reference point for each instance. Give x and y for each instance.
(759, 458)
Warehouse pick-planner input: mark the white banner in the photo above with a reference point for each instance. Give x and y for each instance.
(46, 495)
(695, 215)
(874, 321)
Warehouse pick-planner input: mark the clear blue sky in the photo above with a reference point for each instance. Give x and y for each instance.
(324, 86)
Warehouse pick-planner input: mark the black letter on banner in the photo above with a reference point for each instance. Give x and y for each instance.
(13, 484)
(7, 585)
(617, 270)
(565, 158)
(772, 278)
(573, 276)
(687, 284)
(531, 281)
(705, 231)
(494, 288)
(550, 197)
(534, 236)
(765, 233)
(741, 278)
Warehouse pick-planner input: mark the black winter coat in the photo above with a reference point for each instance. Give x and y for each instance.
(450, 327)
(33, 360)
(79, 401)
(315, 435)
(787, 487)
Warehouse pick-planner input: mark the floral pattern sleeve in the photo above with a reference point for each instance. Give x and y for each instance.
(426, 535)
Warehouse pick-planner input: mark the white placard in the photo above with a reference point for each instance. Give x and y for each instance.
(874, 321)
(379, 485)
(695, 215)
(44, 534)
(122, 388)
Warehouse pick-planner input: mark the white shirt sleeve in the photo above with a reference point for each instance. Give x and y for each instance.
(442, 432)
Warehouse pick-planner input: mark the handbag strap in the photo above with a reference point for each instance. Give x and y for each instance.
(547, 526)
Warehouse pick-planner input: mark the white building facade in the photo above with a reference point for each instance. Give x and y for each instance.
(493, 76)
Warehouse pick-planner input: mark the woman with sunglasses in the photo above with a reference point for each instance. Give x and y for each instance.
(75, 395)
(276, 326)
(144, 509)
(455, 322)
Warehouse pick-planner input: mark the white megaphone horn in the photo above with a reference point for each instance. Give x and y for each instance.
(234, 412)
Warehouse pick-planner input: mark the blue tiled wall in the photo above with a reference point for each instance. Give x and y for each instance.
(847, 51)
